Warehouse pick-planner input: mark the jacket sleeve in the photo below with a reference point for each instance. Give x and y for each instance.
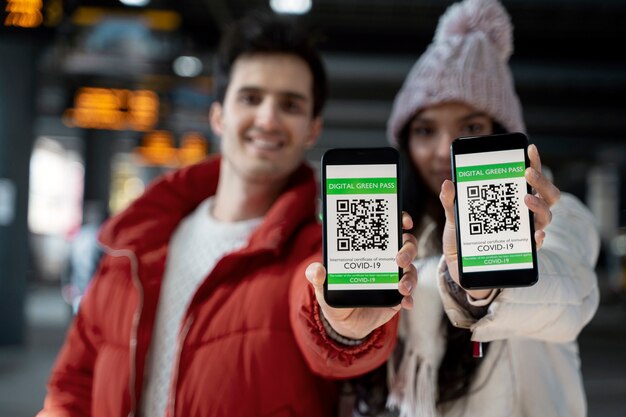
(70, 384)
(564, 299)
(324, 356)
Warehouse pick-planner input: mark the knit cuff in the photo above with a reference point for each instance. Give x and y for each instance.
(463, 299)
(333, 335)
(482, 302)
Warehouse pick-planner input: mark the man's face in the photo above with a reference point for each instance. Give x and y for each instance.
(266, 120)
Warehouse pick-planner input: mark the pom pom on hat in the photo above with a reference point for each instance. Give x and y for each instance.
(486, 16)
(467, 62)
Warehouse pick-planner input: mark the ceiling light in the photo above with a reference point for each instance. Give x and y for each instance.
(135, 3)
(291, 6)
(187, 66)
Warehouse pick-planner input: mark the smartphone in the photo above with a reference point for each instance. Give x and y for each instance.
(362, 227)
(495, 230)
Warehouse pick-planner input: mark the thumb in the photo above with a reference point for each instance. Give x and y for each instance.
(447, 200)
(316, 274)
(449, 232)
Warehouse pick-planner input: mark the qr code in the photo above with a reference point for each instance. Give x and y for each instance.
(493, 208)
(362, 224)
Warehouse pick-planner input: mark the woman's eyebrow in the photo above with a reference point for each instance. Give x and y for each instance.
(473, 115)
(421, 119)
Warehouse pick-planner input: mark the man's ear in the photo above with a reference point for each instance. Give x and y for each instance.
(215, 118)
(314, 132)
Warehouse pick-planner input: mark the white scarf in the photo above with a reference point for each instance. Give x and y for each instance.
(414, 391)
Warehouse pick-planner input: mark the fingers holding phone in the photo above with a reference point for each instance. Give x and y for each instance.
(408, 252)
(545, 195)
(541, 184)
(406, 286)
(446, 197)
(358, 322)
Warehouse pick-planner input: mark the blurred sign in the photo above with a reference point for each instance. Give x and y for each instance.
(165, 20)
(24, 13)
(113, 109)
(158, 149)
(31, 14)
(193, 148)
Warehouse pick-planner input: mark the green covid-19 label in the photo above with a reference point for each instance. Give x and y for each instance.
(364, 278)
(503, 259)
(361, 186)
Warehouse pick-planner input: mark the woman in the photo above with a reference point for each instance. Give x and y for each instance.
(462, 86)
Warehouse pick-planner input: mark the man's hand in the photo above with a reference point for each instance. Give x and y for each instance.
(356, 323)
(545, 196)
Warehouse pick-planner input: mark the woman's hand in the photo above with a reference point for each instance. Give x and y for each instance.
(545, 196)
(357, 323)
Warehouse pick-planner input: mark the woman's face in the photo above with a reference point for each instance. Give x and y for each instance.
(432, 131)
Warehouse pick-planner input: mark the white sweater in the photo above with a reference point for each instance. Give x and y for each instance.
(198, 243)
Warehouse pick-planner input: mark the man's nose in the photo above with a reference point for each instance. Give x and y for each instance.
(268, 116)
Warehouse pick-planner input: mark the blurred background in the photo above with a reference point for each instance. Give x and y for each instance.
(97, 97)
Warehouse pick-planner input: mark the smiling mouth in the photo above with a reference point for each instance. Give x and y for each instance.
(265, 144)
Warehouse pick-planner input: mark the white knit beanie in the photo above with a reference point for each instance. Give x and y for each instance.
(467, 62)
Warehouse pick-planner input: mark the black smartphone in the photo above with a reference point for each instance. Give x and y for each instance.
(495, 229)
(362, 225)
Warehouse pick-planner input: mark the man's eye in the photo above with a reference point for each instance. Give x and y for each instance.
(250, 99)
(292, 106)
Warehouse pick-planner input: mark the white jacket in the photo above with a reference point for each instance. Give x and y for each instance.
(532, 367)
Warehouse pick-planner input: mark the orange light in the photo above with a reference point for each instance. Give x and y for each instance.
(54, 13)
(143, 109)
(164, 20)
(193, 149)
(158, 148)
(113, 109)
(24, 13)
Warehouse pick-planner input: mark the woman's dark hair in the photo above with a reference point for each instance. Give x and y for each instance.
(458, 366)
(264, 32)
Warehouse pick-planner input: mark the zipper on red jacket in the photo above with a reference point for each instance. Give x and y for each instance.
(171, 401)
(135, 325)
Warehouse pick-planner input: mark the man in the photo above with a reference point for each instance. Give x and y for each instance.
(199, 300)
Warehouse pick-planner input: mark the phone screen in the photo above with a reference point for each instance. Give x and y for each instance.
(362, 232)
(494, 224)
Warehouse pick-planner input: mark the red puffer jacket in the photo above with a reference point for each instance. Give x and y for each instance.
(251, 343)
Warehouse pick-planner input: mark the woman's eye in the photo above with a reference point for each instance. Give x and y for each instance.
(474, 128)
(423, 136)
(421, 131)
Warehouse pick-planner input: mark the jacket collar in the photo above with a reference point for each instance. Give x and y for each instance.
(148, 223)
